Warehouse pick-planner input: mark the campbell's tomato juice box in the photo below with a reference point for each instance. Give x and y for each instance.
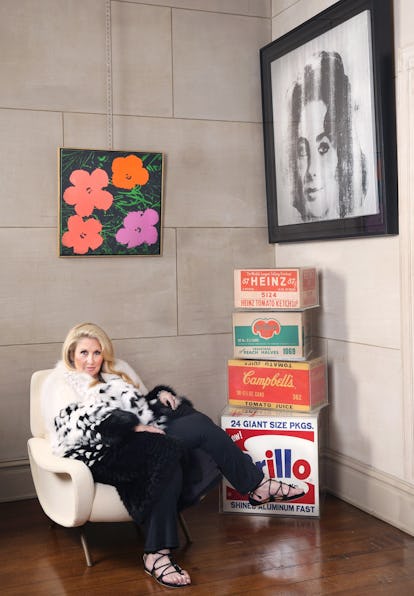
(272, 336)
(285, 447)
(288, 288)
(283, 385)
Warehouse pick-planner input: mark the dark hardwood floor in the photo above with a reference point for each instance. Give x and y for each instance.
(344, 552)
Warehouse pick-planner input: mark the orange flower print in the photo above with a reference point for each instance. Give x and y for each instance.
(86, 192)
(128, 171)
(82, 235)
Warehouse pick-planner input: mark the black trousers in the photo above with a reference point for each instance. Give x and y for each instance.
(197, 432)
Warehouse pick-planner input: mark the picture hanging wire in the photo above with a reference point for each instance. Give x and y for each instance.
(109, 108)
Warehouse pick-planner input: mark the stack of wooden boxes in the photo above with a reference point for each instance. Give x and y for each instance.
(276, 384)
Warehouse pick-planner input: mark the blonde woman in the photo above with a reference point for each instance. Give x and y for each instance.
(157, 450)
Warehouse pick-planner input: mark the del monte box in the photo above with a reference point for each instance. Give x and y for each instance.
(272, 335)
(288, 288)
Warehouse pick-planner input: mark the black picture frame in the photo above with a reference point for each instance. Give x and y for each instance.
(361, 189)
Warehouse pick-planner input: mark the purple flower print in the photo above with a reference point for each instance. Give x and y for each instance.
(139, 228)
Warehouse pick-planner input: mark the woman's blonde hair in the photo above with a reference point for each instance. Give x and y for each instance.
(91, 331)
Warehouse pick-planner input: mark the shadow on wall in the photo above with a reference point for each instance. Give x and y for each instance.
(341, 432)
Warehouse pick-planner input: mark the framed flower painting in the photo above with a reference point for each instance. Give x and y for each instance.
(109, 202)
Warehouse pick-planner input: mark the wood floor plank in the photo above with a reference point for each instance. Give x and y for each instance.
(344, 552)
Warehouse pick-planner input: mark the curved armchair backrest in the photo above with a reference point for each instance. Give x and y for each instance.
(37, 425)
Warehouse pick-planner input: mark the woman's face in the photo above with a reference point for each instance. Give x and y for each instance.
(88, 357)
(317, 163)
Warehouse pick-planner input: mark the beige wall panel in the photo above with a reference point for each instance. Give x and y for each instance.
(16, 482)
(216, 65)
(257, 8)
(403, 22)
(206, 259)
(279, 6)
(53, 54)
(296, 13)
(214, 171)
(42, 296)
(366, 417)
(141, 58)
(28, 154)
(360, 283)
(17, 364)
(195, 366)
(86, 131)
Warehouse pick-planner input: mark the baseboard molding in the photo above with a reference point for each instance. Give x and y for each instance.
(16, 481)
(381, 495)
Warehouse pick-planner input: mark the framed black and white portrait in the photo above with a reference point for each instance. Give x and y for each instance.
(329, 126)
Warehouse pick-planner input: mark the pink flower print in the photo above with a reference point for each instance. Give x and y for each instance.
(86, 192)
(139, 228)
(82, 235)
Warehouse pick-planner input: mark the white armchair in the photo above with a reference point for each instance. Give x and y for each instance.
(65, 487)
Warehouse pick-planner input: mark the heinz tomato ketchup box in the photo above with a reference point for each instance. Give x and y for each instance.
(287, 288)
(272, 336)
(283, 385)
(285, 447)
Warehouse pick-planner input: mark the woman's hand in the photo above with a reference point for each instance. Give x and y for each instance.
(146, 428)
(168, 399)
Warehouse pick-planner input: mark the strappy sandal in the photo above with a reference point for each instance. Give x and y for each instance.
(292, 493)
(158, 573)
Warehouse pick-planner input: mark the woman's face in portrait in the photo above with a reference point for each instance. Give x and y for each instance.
(317, 163)
(88, 357)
